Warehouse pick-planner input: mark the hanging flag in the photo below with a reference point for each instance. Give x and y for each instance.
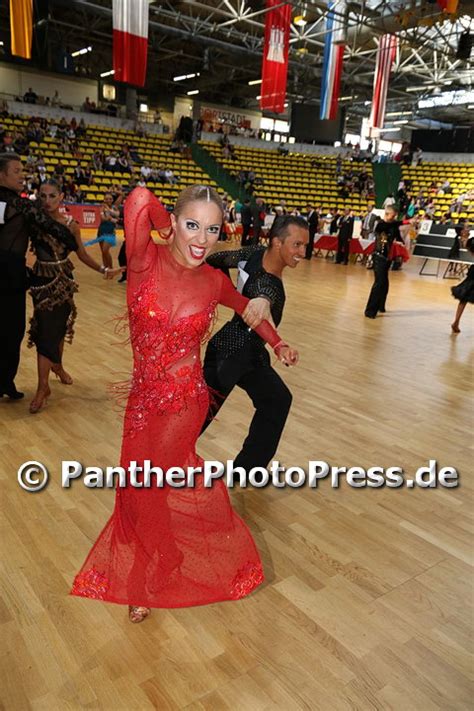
(332, 60)
(130, 23)
(385, 56)
(450, 6)
(21, 27)
(275, 56)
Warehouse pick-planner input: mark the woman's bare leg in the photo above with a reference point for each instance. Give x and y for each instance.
(43, 391)
(58, 368)
(459, 311)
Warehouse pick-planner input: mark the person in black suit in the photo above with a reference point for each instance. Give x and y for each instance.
(346, 230)
(336, 219)
(258, 220)
(17, 218)
(246, 219)
(312, 217)
(387, 231)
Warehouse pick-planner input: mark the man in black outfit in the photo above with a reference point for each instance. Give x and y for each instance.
(17, 216)
(312, 218)
(346, 230)
(236, 355)
(387, 231)
(335, 222)
(246, 219)
(258, 220)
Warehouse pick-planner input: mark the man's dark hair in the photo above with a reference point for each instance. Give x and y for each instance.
(6, 158)
(281, 224)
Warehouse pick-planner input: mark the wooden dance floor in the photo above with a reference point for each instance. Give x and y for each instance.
(366, 602)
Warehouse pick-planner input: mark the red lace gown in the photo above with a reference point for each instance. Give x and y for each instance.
(169, 547)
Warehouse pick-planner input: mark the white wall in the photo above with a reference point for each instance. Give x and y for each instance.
(448, 157)
(50, 112)
(272, 145)
(15, 81)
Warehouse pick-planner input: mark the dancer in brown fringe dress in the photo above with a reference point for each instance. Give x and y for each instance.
(52, 289)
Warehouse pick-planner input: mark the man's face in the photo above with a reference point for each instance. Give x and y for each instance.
(12, 177)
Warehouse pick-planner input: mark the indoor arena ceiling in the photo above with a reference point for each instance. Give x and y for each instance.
(222, 40)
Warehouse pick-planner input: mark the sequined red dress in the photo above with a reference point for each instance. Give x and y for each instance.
(169, 547)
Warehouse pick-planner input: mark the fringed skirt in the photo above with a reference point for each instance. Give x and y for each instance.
(52, 290)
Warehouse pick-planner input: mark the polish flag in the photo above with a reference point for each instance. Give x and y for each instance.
(130, 23)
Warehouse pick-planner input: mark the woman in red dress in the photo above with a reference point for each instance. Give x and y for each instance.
(173, 547)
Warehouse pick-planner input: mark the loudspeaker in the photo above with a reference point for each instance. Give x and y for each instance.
(465, 46)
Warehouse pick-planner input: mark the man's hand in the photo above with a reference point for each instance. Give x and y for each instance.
(256, 311)
(287, 355)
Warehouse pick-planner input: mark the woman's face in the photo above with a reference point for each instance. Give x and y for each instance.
(196, 231)
(50, 197)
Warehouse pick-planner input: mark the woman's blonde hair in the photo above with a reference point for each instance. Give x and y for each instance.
(194, 193)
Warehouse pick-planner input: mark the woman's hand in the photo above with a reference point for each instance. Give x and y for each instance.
(256, 311)
(287, 355)
(112, 273)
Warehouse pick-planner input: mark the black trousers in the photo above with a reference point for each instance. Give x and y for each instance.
(12, 330)
(379, 291)
(272, 401)
(310, 247)
(122, 258)
(245, 234)
(342, 250)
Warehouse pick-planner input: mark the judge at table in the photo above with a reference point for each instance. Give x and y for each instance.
(346, 230)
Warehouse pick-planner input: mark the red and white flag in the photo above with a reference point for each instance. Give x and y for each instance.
(386, 54)
(130, 23)
(275, 56)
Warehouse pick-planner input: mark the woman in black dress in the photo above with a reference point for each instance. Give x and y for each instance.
(52, 289)
(464, 292)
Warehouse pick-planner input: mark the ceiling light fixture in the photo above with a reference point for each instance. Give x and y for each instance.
(182, 77)
(84, 50)
(108, 74)
(191, 93)
(254, 82)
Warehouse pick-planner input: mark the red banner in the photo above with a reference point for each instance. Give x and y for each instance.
(275, 57)
(88, 216)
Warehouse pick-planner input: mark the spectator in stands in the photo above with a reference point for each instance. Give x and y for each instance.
(123, 164)
(146, 171)
(59, 169)
(88, 174)
(346, 230)
(389, 200)
(20, 143)
(369, 220)
(56, 99)
(81, 129)
(111, 162)
(97, 160)
(79, 173)
(283, 149)
(171, 177)
(246, 220)
(30, 97)
(417, 157)
(141, 182)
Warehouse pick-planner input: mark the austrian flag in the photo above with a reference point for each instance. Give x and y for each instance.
(130, 23)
